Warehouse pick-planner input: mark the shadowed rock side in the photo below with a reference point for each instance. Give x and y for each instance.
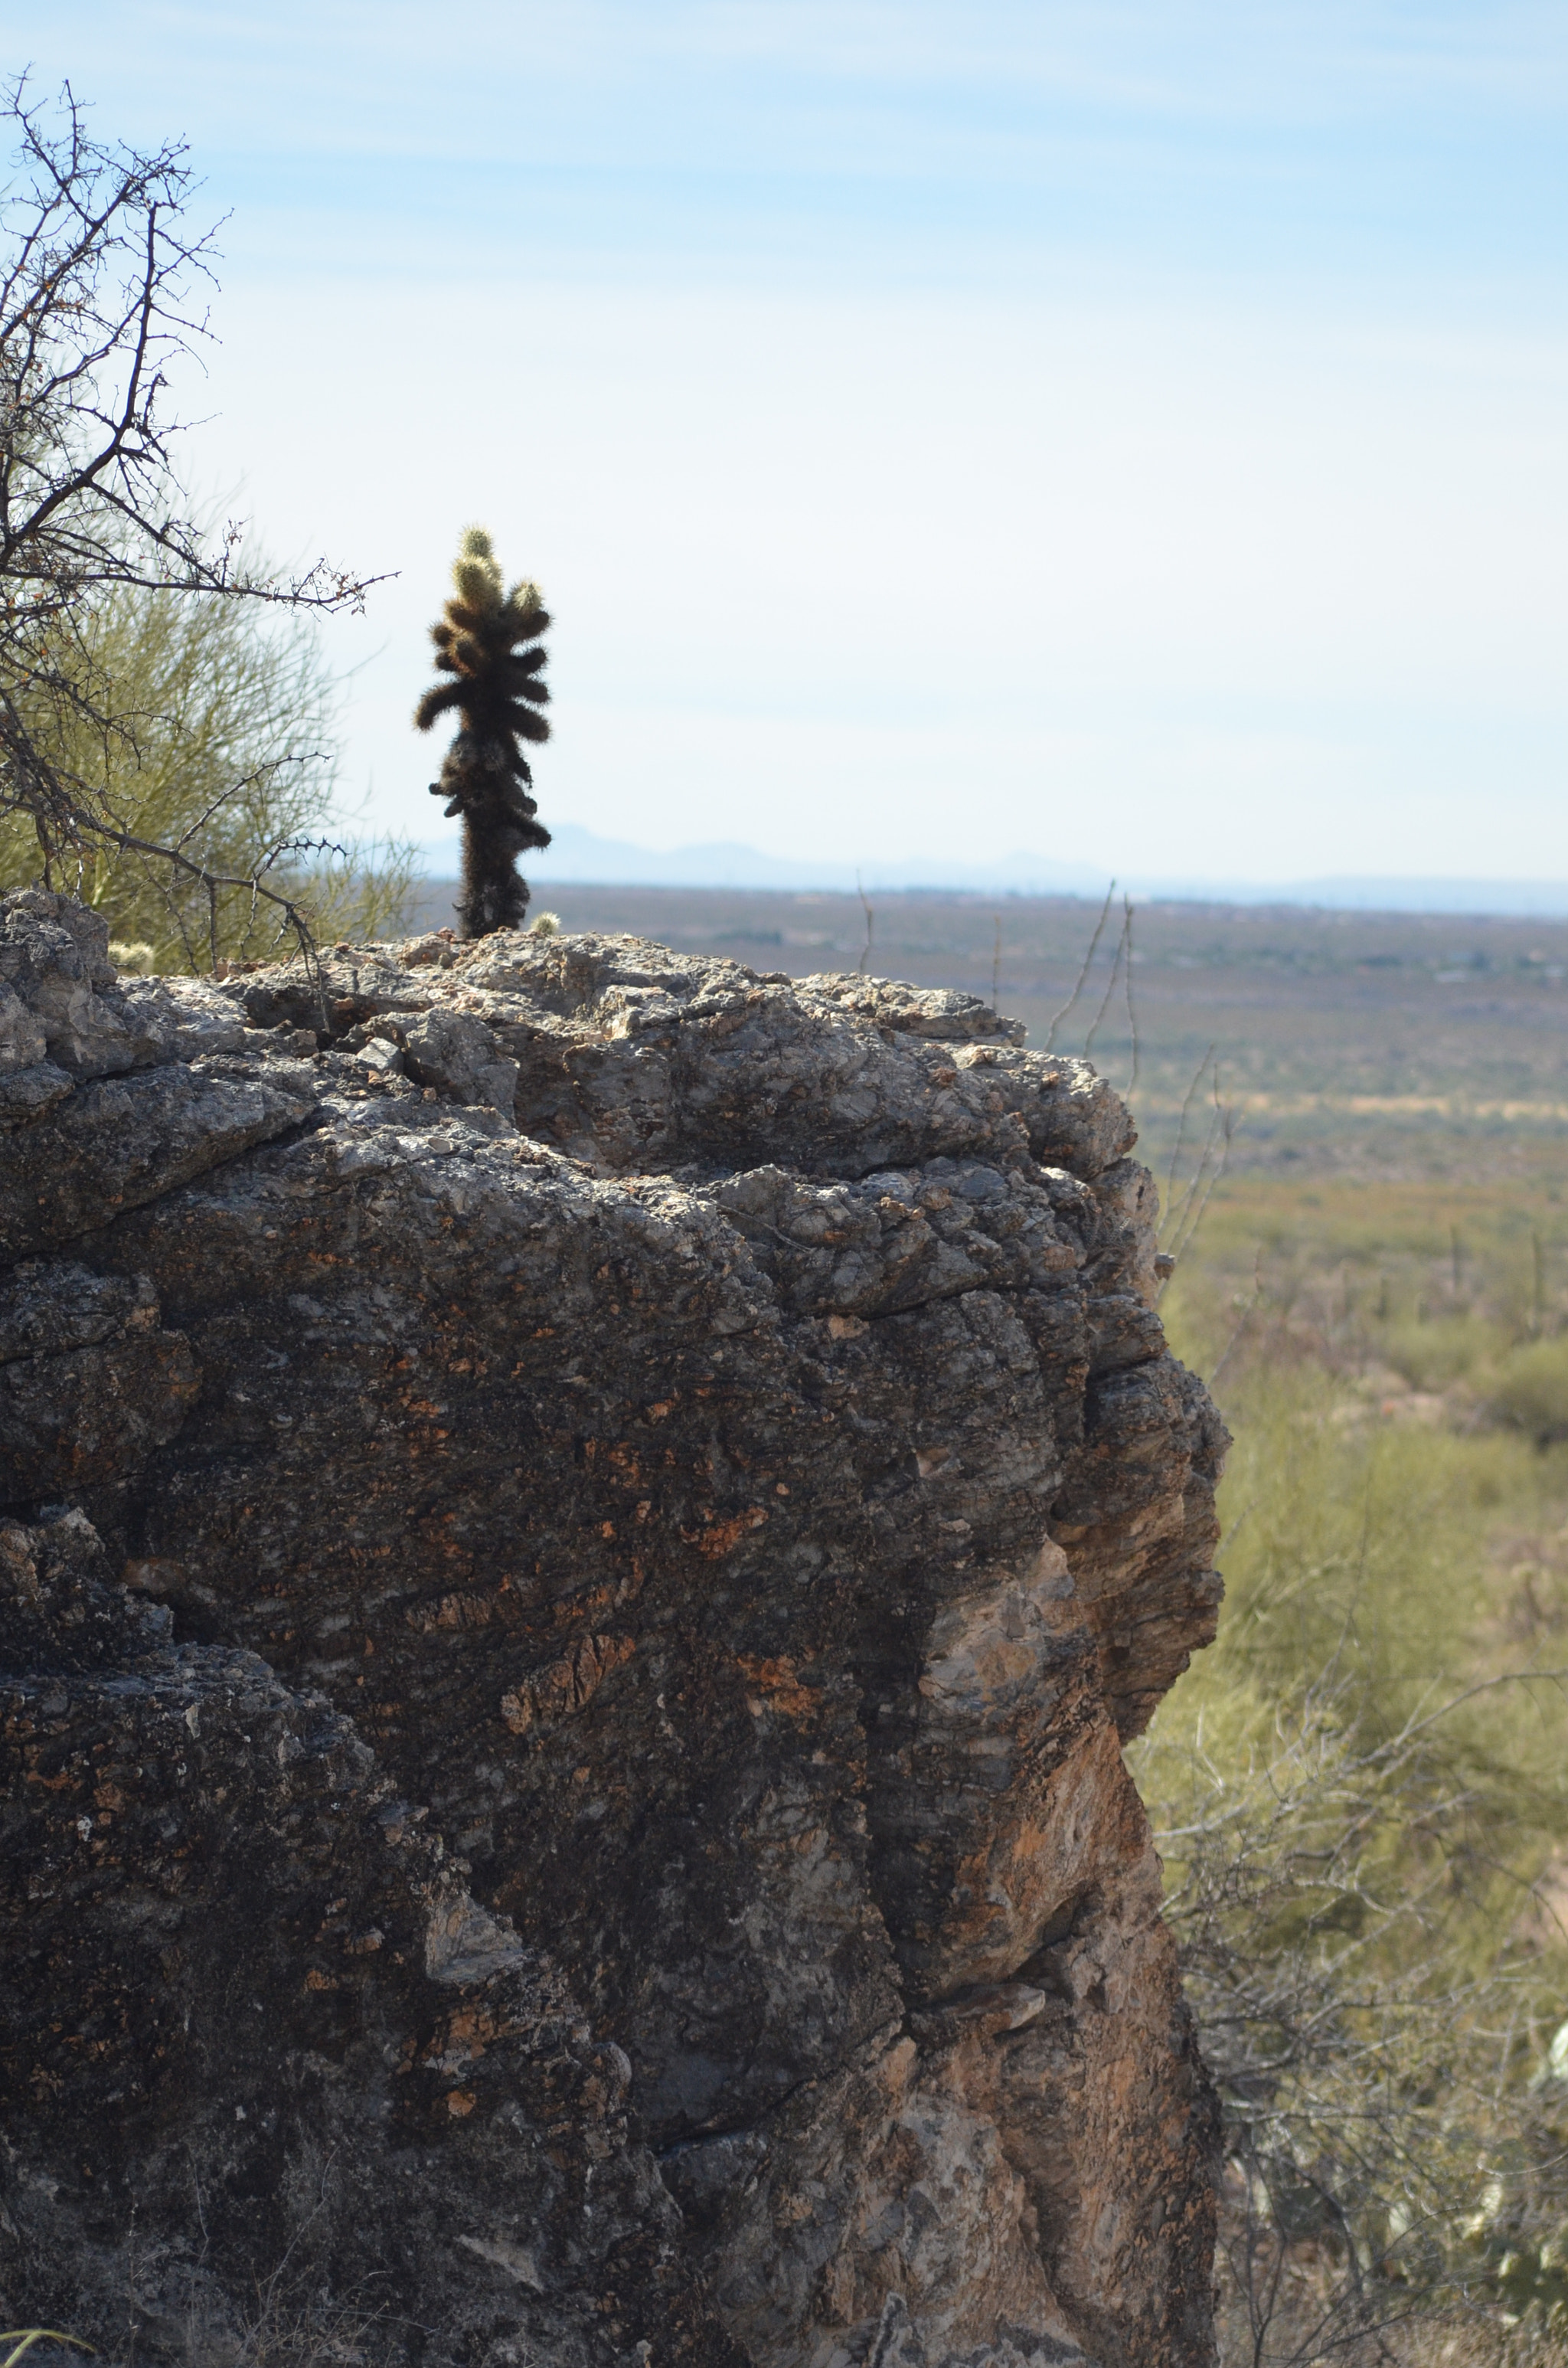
(703, 1441)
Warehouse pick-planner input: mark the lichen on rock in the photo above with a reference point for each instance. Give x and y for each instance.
(587, 1528)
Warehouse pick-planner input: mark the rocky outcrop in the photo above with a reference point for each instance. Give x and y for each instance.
(586, 1529)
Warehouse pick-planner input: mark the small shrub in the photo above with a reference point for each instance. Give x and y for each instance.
(1450, 1349)
(1531, 1389)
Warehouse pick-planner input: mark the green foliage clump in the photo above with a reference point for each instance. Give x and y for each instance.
(98, 274)
(209, 729)
(488, 640)
(1531, 1388)
(1450, 1348)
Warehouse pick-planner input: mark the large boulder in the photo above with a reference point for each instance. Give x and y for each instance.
(673, 1478)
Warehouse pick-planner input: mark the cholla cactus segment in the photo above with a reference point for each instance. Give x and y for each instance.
(476, 574)
(488, 642)
(133, 955)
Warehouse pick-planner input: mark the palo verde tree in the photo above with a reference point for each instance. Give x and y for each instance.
(225, 749)
(488, 641)
(101, 298)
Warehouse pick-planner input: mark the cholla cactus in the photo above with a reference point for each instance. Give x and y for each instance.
(483, 640)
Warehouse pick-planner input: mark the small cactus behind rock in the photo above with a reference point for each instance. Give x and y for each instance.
(490, 642)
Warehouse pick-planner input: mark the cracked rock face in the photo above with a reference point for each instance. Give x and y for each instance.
(657, 1492)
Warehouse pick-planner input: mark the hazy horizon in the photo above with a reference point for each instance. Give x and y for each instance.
(581, 858)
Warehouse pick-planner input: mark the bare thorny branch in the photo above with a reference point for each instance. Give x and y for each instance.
(100, 299)
(1187, 1195)
(1082, 980)
(1186, 1202)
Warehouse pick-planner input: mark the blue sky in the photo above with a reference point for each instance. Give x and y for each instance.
(1132, 433)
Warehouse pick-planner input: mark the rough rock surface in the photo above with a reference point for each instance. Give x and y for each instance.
(586, 1526)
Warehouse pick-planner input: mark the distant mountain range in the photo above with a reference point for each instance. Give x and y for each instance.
(579, 855)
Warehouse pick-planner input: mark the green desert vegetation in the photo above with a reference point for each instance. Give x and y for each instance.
(211, 728)
(163, 705)
(1360, 1793)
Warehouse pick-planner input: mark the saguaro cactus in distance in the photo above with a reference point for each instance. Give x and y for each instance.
(489, 642)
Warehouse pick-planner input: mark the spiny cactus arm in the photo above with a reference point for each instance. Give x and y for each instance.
(468, 653)
(446, 661)
(527, 724)
(463, 616)
(479, 583)
(436, 703)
